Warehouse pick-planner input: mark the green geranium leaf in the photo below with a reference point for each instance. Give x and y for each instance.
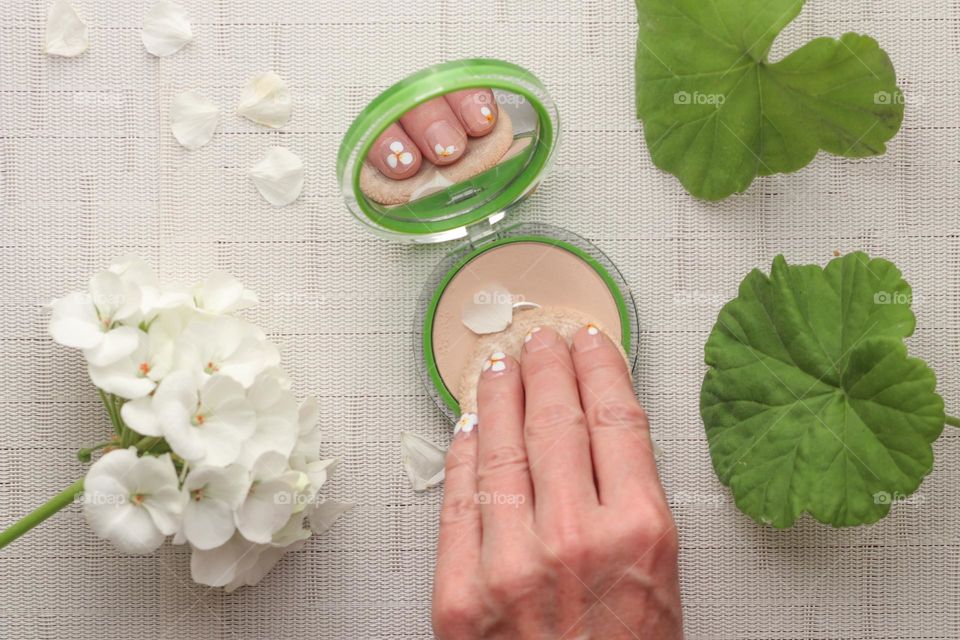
(811, 403)
(717, 113)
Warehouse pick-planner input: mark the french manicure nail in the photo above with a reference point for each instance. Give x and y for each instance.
(496, 362)
(467, 423)
(589, 338)
(445, 140)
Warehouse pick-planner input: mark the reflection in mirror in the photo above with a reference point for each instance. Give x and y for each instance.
(449, 153)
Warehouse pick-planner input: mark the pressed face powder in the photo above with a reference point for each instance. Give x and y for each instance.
(534, 272)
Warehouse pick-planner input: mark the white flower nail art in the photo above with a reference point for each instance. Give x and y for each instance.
(486, 113)
(398, 155)
(529, 336)
(466, 423)
(496, 362)
(444, 151)
(592, 329)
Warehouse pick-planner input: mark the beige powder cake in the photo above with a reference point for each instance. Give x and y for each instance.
(555, 287)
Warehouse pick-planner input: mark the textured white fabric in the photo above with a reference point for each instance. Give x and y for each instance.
(89, 170)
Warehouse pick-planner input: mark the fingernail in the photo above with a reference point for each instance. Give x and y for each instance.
(588, 338)
(478, 117)
(466, 424)
(538, 339)
(445, 140)
(496, 363)
(397, 157)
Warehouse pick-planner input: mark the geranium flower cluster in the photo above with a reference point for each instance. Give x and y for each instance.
(210, 446)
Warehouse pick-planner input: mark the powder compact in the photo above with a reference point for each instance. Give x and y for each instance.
(501, 279)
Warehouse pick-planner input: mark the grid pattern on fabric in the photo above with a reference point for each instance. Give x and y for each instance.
(90, 171)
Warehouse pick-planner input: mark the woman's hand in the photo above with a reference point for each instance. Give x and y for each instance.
(554, 523)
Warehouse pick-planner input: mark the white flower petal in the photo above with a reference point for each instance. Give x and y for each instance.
(266, 510)
(74, 322)
(220, 566)
(208, 525)
(422, 460)
(396, 146)
(166, 28)
(278, 177)
(193, 119)
(66, 33)
(438, 148)
(222, 293)
(265, 558)
(140, 416)
(392, 161)
(406, 158)
(324, 514)
(116, 344)
(266, 100)
(490, 311)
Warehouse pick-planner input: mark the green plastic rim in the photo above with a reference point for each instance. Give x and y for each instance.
(425, 85)
(616, 285)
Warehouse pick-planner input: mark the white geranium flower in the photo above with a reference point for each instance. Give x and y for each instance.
(277, 419)
(227, 346)
(166, 28)
(139, 413)
(271, 499)
(154, 299)
(211, 494)
(92, 321)
(205, 426)
(136, 375)
(221, 293)
(132, 502)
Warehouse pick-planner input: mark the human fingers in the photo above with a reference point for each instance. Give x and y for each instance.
(620, 444)
(506, 493)
(394, 154)
(436, 130)
(555, 430)
(476, 109)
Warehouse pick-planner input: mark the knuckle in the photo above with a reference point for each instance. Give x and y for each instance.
(460, 459)
(452, 614)
(546, 421)
(501, 460)
(654, 529)
(572, 548)
(619, 414)
(458, 509)
(511, 582)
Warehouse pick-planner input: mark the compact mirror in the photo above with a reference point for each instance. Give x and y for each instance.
(449, 147)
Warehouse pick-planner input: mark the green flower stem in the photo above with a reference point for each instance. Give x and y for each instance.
(953, 422)
(40, 514)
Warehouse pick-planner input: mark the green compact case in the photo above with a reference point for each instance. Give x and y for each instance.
(472, 214)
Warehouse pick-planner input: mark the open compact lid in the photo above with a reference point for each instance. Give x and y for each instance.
(494, 172)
